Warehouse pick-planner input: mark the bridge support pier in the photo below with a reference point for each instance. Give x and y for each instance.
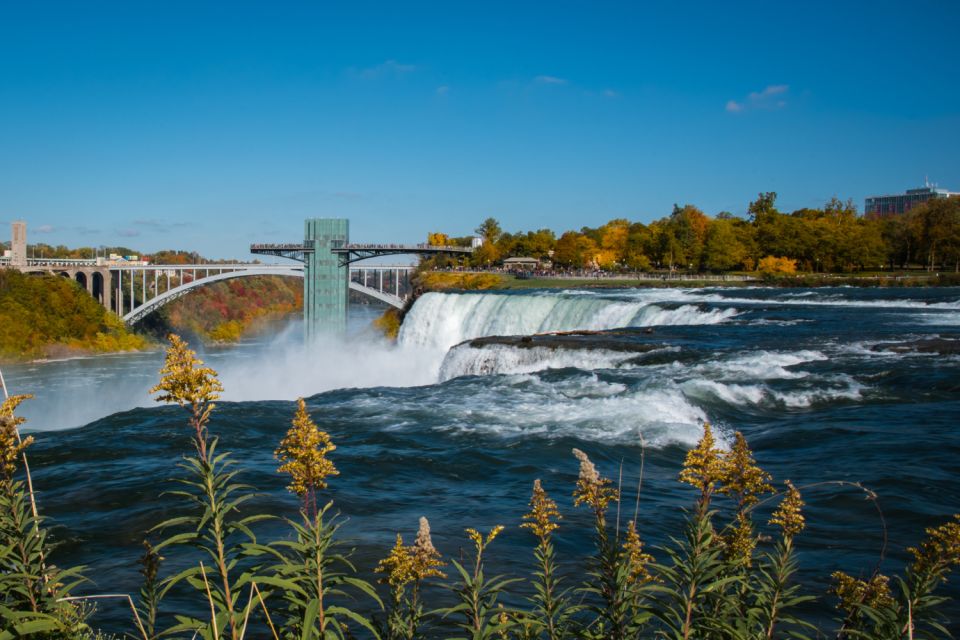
(325, 282)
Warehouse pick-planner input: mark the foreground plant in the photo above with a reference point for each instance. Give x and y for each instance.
(216, 526)
(617, 573)
(309, 569)
(33, 592)
(476, 610)
(912, 609)
(551, 616)
(405, 569)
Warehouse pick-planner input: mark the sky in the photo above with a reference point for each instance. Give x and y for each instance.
(207, 126)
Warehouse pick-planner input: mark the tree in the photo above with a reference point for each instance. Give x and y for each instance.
(723, 251)
(438, 239)
(489, 230)
(763, 207)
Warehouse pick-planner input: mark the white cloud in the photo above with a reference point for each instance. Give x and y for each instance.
(128, 233)
(442, 91)
(771, 97)
(44, 228)
(549, 80)
(610, 93)
(388, 68)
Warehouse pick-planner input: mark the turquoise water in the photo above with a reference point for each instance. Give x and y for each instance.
(458, 433)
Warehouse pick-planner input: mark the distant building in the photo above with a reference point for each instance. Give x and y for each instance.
(476, 242)
(18, 243)
(521, 264)
(899, 204)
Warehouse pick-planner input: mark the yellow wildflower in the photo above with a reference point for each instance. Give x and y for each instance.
(739, 541)
(940, 550)
(591, 488)
(636, 557)
(184, 380)
(740, 476)
(412, 563)
(874, 593)
(398, 565)
(479, 541)
(789, 516)
(703, 466)
(542, 512)
(11, 446)
(303, 454)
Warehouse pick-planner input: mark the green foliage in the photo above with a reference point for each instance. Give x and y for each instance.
(38, 312)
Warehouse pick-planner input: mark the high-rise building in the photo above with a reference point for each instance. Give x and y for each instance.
(901, 203)
(18, 243)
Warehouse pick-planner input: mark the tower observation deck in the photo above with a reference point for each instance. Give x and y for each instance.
(327, 253)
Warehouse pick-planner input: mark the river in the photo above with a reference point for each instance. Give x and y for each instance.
(458, 433)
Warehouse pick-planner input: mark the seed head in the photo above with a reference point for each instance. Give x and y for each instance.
(303, 454)
(426, 558)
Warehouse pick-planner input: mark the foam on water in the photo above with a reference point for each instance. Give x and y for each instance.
(464, 360)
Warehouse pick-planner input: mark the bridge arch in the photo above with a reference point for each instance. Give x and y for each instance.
(156, 302)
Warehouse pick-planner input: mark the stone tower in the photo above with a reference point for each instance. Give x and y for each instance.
(18, 243)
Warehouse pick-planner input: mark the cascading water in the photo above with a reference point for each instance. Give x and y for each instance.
(442, 320)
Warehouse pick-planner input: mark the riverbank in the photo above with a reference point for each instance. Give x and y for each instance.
(793, 281)
(43, 317)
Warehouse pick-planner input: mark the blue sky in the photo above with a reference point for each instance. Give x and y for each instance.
(207, 126)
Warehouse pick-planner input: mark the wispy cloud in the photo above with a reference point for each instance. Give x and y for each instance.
(44, 228)
(443, 90)
(86, 231)
(771, 97)
(128, 233)
(386, 69)
(549, 80)
(610, 93)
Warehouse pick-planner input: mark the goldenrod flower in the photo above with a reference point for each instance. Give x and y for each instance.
(703, 466)
(11, 445)
(479, 541)
(183, 379)
(789, 516)
(740, 476)
(412, 563)
(739, 542)
(542, 512)
(940, 550)
(303, 454)
(398, 565)
(592, 489)
(636, 558)
(874, 593)
(186, 382)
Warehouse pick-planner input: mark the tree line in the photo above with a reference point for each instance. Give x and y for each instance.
(833, 238)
